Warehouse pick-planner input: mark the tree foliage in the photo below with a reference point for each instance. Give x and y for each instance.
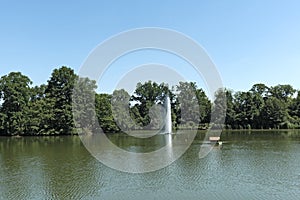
(265, 107)
(52, 108)
(15, 94)
(59, 92)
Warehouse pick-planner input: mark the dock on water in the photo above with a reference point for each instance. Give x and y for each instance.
(215, 139)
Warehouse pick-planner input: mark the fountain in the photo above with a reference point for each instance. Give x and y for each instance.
(168, 119)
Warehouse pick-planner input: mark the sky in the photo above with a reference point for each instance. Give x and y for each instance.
(248, 41)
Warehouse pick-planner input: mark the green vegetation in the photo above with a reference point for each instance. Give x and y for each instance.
(263, 107)
(47, 109)
(40, 110)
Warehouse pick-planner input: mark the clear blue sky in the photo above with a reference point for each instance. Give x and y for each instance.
(249, 41)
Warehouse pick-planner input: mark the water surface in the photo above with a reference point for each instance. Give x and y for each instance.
(249, 165)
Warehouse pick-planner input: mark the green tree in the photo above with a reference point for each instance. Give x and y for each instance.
(284, 95)
(247, 109)
(146, 96)
(15, 94)
(38, 92)
(282, 92)
(274, 113)
(294, 111)
(83, 98)
(219, 114)
(37, 111)
(188, 102)
(59, 90)
(260, 89)
(104, 113)
(259, 94)
(120, 102)
(230, 118)
(204, 106)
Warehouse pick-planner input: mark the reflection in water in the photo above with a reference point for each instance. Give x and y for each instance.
(139, 155)
(35, 168)
(248, 166)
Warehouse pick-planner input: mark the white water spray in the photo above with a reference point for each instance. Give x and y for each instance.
(168, 120)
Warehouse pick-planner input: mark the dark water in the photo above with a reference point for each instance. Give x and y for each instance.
(249, 165)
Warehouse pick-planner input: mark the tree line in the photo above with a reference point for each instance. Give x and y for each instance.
(49, 109)
(263, 107)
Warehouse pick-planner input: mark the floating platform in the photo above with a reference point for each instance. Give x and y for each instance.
(216, 139)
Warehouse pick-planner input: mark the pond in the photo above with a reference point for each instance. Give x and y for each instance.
(249, 165)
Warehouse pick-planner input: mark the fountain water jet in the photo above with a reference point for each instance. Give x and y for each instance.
(168, 119)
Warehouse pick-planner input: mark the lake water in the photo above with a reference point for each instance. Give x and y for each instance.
(249, 165)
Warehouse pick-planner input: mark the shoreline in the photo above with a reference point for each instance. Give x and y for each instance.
(185, 130)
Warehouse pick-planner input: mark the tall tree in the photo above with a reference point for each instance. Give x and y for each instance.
(59, 90)
(104, 113)
(282, 92)
(274, 113)
(188, 101)
(147, 95)
(120, 102)
(219, 114)
(204, 106)
(83, 98)
(37, 112)
(260, 89)
(247, 108)
(230, 119)
(15, 94)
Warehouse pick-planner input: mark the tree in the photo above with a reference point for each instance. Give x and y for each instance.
(120, 102)
(146, 96)
(219, 114)
(37, 112)
(230, 118)
(50, 109)
(245, 109)
(188, 111)
(259, 94)
(15, 94)
(38, 92)
(282, 92)
(83, 98)
(274, 113)
(104, 113)
(204, 106)
(59, 90)
(294, 111)
(260, 89)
